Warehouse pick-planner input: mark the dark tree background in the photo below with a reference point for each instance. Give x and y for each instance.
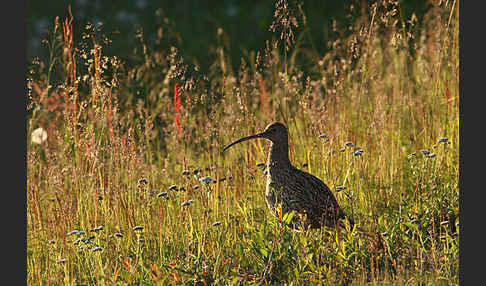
(192, 25)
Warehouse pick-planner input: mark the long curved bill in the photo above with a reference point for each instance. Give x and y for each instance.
(259, 135)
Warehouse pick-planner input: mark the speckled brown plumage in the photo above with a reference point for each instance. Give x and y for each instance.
(293, 188)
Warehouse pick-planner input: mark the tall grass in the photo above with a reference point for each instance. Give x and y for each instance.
(117, 195)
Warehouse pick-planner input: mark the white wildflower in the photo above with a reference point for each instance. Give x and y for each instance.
(39, 136)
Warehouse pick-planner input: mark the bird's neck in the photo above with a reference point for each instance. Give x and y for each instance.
(279, 154)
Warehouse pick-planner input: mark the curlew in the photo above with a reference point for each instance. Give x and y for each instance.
(295, 189)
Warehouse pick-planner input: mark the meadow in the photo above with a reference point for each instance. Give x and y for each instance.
(127, 183)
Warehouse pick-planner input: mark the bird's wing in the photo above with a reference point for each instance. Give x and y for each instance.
(319, 197)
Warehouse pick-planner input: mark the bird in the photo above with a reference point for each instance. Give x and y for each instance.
(294, 189)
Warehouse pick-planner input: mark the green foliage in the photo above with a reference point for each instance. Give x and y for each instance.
(116, 194)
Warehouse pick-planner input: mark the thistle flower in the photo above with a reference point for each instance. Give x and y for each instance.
(81, 239)
(73, 232)
(39, 136)
(187, 203)
(324, 136)
(163, 194)
(206, 180)
(443, 139)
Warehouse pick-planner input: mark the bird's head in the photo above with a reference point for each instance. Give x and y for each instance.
(275, 132)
